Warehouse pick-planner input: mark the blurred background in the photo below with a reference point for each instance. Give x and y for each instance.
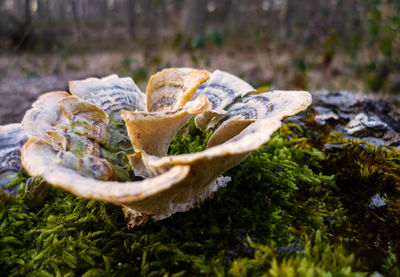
(287, 44)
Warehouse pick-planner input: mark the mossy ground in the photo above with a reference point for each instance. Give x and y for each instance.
(290, 210)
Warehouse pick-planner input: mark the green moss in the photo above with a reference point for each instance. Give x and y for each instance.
(317, 258)
(361, 172)
(287, 212)
(187, 143)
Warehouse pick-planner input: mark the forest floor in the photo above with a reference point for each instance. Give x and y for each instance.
(23, 77)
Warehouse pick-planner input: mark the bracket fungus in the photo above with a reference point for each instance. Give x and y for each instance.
(107, 140)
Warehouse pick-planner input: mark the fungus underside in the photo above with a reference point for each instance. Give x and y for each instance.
(289, 209)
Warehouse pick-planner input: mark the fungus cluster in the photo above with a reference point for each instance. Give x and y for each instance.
(107, 140)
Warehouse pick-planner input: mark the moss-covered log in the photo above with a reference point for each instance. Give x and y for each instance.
(311, 202)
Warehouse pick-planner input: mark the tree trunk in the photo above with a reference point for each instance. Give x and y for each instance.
(48, 13)
(104, 10)
(131, 17)
(60, 7)
(83, 8)
(77, 18)
(150, 10)
(28, 14)
(44, 10)
(289, 11)
(104, 16)
(178, 5)
(194, 13)
(224, 9)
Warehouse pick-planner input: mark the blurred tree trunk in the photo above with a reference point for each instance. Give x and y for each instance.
(194, 13)
(19, 8)
(317, 26)
(131, 17)
(44, 10)
(259, 13)
(174, 15)
(178, 5)
(224, 6)
(234, 16)
(105, 16)
(60, 7)
(355, 17)
(288, 17)
(164, 17)
(104, 10)
(150, 9)
(28, 14)
(84, 8)
(77, 18)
